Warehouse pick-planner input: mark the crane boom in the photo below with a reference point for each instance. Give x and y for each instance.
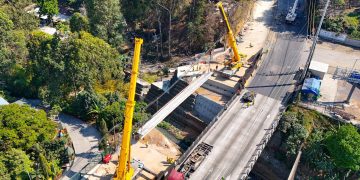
(124, 170)
(290, 17)
(231, 38)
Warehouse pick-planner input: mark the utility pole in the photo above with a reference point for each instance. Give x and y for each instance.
(312, 49)
(169, 33)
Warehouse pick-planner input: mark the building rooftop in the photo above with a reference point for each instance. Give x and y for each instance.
(319, 66)
(3, 101)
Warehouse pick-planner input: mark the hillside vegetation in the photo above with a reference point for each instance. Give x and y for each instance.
(331, 150)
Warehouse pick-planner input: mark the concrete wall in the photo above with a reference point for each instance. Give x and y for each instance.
(206, 109)
(340, 38)
(219, 88)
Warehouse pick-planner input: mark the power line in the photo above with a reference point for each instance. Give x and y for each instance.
(312, 49)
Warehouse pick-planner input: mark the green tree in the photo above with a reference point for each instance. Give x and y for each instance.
(18, 15)
(4, 174)
(84, 104)
(344, 147)
(296, 136)
(138, 12)
(90, 60)
(106, 20)
(49, 7)
(103, 127)
(316, 156)
(13, 55)
(45, 166)
(55, 110)
(196, 29)
(79, 23)
(17, 163)
(6, 26)
(22, 127)
(47, 64)
(287, 120)
(113, 114)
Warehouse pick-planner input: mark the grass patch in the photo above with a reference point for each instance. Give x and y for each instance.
(148, 77)
(311, 119)
(172, 130)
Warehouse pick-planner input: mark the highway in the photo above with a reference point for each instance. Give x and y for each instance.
(239, 130)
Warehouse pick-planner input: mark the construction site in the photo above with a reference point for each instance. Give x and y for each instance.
(223, 102)
(179, 89)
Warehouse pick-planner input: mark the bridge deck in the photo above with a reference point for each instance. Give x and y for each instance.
(235, 138)
(173, 104)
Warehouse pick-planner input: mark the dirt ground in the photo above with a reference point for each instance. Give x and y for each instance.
(336, 55)
(153, 151)
(338, 92)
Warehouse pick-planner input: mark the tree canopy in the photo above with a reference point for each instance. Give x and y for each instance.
(22, 127)
(79, 23)
(344, 147)
(17, 164)
(49, 7)
(106, 20)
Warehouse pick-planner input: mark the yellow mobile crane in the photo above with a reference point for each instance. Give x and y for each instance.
(235, 62)
(124, 170)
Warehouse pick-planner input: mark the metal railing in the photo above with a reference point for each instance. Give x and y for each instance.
(261, 146)
(208, 127)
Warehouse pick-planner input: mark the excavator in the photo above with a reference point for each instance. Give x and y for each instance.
(235, 61)
(124, 170)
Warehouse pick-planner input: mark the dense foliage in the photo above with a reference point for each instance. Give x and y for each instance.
(329, 152)
(344, 147)
(27, 138)
(21, 127)
(348, 23)
(106, 20)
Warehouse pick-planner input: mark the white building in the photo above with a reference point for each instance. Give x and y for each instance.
(318, 69)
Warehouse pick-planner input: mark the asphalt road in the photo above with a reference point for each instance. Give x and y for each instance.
(286, 54)
(238, 132)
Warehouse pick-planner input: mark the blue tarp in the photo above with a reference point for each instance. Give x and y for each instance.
(311, 85)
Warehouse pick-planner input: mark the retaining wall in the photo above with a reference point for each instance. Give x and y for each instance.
(206, 109)
(339, 38)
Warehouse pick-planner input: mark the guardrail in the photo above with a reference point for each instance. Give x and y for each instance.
(214, 120)
(261, 146)
(269, 132)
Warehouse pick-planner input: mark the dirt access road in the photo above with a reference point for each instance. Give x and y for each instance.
(153, 151)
